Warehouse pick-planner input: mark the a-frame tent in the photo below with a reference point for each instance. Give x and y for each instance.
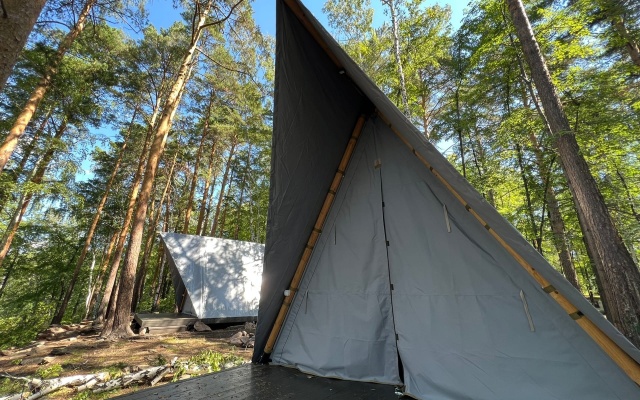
(216, 280)
(412, 277)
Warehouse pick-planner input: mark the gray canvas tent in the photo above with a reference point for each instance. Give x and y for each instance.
(413, 278)
(215, 279)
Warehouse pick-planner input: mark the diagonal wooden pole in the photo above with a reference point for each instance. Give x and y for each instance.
(313, 238)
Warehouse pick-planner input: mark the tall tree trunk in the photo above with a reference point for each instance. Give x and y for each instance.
(101, 313)
(111, 302)
(121, 319)
(194, 176)
(151, 234)
(17, 19)
(57, 319)
(223, 186)
(620, 276)
(426, 117)
(166, 278)
(32, 145)
(537, 242)
(16, 132)
(205, 192)
(225, 210)
(397, 52)
(210, 200)
(459, 131)
(597, 269)
(5, 190)
(630, 43)
(556, 222)
(103, 268)
(10, 269)
(630, 199)
(243, 183)
(27, 196)
(122, 236)
(477, 151)
(89, 285)
(559, 236)
(161, 259)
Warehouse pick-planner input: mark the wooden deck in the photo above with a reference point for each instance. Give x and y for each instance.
(228, 320)
(164, 319)
(160, 323)
(253, 382)
(164, 322)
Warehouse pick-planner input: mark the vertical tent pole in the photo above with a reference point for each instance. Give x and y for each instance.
(313, 238)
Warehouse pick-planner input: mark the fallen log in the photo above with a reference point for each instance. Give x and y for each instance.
(39, 388)
(145, 375)
(159, 377)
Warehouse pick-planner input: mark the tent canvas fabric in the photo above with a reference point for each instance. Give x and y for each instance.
(405, 285)
(215, 278)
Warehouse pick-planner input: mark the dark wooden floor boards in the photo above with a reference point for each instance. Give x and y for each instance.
(265, 382)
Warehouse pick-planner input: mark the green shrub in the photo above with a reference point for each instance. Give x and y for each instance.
(211, 360)
(10, 386)
(49, 371)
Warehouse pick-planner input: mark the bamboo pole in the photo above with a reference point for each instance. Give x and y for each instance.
(611, 348)
(313, 238)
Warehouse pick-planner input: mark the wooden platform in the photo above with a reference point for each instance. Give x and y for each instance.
(254, 382)
(159, 323)
(228, 320)
(164, 322)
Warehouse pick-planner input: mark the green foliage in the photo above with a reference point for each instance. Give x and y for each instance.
(211, 361)
(10, 386)
(160, 360)
(114, 370)
(49, 371)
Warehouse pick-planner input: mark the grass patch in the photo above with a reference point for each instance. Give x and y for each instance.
(176, 340)
(88, 395)
(114, 370)
(159, 361)
(206, 362)
(10, 386)
(50, 371)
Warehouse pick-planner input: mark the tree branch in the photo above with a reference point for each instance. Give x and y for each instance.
(224, 18)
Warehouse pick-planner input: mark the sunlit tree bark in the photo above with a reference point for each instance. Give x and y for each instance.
(620, 276)
(17, 18)
(23, 119)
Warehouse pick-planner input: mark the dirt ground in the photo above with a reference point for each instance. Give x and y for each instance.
(88, 354)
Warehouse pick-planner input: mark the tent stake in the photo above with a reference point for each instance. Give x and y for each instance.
(313, 238)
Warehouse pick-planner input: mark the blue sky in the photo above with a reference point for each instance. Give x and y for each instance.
(162, 13)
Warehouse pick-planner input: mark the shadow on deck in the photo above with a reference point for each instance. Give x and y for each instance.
(264, 382)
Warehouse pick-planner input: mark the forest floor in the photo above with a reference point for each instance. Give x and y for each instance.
(88, 354)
